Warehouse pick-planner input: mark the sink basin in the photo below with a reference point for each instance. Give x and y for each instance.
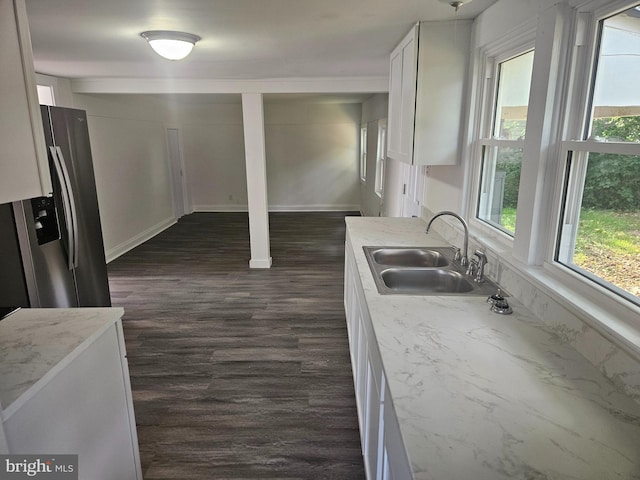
(421, 271)
(434, 281)
(409, 257)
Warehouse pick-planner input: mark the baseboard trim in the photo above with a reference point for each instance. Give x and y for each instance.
(139, 239)
(314, 208)
(220, 208)
(279, 208)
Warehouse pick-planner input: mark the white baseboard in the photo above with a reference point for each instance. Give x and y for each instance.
(279, 208)
(220, 208)
(142, 237)
(314, 208)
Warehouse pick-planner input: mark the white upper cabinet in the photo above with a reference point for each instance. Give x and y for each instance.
(426, 93)
(24, 167)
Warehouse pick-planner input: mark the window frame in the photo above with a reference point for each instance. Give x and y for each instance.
(488, 60)
(563, 56)
(363, 152)
(46, 91)
(574, 140)
(381, 156)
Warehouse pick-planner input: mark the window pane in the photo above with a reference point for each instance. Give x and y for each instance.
(499, 187)
(600, 235)
(514, 82)
(615, 113)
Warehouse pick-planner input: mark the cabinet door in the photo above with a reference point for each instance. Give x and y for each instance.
(23, 162)
(351, 308)
(402, 98)
(396, 464)
(442, 69)
(374, 407)
(361, 378)
(85, 409)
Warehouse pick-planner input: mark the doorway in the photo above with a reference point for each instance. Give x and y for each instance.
(176, 162)
(413, 190)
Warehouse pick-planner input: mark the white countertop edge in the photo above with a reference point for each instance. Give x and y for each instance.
(112, 314)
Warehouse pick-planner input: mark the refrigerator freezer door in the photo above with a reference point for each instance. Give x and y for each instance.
(50, 283)
(13, 289)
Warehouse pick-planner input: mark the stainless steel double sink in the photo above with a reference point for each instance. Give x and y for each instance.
(421, 271)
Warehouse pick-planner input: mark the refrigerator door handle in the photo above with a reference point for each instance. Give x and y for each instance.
(68, 203)
(72, 203)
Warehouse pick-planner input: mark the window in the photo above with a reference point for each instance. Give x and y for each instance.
(45, 95)
(381, 155)
(363, 153)
(503, 140)
(599, 235)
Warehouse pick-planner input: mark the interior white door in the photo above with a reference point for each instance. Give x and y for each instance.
(413, 190)
(393, 187)
(403, 189)
(180, 199)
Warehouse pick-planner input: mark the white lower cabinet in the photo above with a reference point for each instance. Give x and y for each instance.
(85, 409)
(382, 446)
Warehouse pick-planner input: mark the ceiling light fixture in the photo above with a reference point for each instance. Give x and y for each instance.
(457, 4)
(171, 45)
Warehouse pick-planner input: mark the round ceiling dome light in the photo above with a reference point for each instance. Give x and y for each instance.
(171, 45)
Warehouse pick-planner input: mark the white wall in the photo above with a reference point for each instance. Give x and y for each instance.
(312, 158)
(213, 148)
(373, 110)
(443, 188)
(312, 155)
(507, 16)
(132, 176)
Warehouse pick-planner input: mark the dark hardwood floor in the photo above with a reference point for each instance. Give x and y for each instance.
(239, 373)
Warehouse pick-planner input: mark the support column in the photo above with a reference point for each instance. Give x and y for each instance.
(255, 158)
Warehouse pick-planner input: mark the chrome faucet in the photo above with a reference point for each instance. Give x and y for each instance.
(464, 260)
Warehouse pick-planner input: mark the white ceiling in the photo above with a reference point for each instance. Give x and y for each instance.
(241, 39)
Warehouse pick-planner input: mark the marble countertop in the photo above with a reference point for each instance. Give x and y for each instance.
(485, 396)
(36, 343)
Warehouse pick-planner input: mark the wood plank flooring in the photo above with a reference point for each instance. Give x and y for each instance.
(239, 373)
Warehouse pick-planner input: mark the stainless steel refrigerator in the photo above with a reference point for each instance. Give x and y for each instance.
(60, 236)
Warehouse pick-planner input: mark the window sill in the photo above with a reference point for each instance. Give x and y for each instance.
(613, 317)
